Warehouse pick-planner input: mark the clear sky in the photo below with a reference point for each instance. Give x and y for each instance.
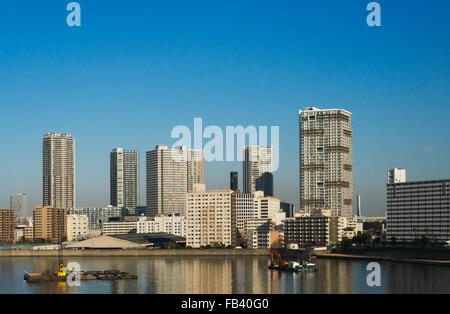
(136, 69)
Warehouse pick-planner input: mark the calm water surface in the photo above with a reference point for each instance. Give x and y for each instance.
(205, 275)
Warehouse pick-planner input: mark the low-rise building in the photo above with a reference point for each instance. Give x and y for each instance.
(257, 233)
(306, 230)
(119, 226)
(172, 224)
(77, 227)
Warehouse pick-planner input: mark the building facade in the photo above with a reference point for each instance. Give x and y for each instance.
(19, 204)
(172, 224)
(309, 230)
(7, 225)
(326, 161)
(125, 178)
(58, 170)
(418, 210)
(120, 227)
(210, 218)
(257, 169)
(50, 224)
(77, 227)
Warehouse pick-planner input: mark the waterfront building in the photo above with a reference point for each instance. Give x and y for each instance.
(124, 178)
(258, 168)
(120, 226)
(418, 210)
(58, 170)
(326, 161)
(234, 181)
(7, 225)
(50, 224)
(210, 217)
(172, 224)
(97, 215)
(19, 204)
(307, 230)
(257, 232)
(77, 227)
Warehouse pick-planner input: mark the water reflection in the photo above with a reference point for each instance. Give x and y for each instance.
(234, 275)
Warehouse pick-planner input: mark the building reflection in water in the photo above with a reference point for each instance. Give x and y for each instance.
(230, 275)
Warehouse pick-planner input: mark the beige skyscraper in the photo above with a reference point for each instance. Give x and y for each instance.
(257, 168)
(326, 161)
(195, 168)
(58, 170)
(171, 173)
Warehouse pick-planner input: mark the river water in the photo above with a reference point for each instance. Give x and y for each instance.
(218, 275)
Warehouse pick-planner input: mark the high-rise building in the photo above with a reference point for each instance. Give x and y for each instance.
(396, 175)
(326, 161)
(234, 181)
(210, 217)
(58, 170)
(195, 168)
(20, 205)
(50, 224)
(125, 178)
(257, 168)
(7, 225)
(166, 181)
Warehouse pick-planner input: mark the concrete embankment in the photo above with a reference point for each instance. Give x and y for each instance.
(136, 253)
(405, 256)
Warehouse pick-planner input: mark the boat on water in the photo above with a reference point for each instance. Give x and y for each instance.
(292, 266)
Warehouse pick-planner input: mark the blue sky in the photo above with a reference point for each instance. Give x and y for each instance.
(136, 69)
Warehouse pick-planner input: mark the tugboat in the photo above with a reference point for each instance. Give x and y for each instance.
(280, 265)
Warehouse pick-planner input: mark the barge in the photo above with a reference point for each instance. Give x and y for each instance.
(84, 276)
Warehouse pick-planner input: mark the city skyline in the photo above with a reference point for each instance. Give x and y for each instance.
(168, 64)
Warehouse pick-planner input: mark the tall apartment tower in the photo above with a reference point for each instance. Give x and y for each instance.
(195, 168)
(166, 181)
(124, 186)
(257, 168)
(396, 175)
(234, 181)
(326, 161)
(20, 205)
(58, 170)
